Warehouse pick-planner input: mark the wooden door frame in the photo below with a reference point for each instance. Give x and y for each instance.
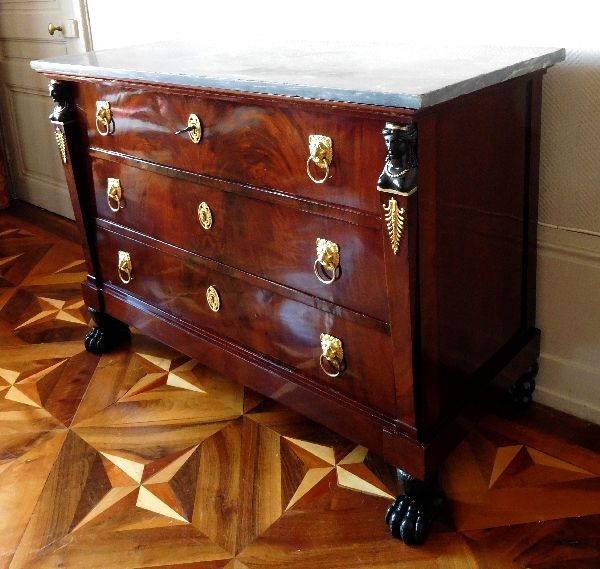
(81, 14)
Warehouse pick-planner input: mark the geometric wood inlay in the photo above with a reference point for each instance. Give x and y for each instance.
(174, 373)
(145, 458)
(31, 387)
(504, 457)
(165, 486)
(60, 309)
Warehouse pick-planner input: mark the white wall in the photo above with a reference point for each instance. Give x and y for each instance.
(569, 250)
(509, 22)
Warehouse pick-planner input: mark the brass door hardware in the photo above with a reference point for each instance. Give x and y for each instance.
(104, 118)
(212, 298)
(333, 352)
(125, 267)
(205, 215)
(321, 153)
(395, 222)
(114, 193)
(194, 129)
(52, 28)
(328, 259)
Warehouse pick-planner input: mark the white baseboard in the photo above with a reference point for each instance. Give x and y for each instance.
(57, 201)
(568, 387)
(568, 313)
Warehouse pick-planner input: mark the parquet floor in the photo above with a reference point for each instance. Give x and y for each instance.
(144, 458)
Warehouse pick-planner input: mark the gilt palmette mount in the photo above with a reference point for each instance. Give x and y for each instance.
(60, 141)
(395, 222)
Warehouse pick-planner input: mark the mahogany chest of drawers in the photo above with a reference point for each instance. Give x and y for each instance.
(359, 251)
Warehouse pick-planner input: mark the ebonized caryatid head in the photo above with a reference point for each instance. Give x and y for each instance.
(400, 170)
(60, 92)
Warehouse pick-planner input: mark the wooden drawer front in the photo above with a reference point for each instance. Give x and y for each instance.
(266, 322)
(272, 241)
(256, 144)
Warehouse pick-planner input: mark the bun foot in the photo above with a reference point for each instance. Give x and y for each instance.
(411, 515)
(520, 394)
(106, 335)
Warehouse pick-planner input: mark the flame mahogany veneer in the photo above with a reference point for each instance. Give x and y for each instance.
(423, 330)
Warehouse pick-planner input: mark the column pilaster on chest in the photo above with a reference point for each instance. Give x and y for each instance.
(397, 188)
(72, 151)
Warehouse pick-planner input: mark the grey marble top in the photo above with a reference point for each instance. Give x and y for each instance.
(390, 74)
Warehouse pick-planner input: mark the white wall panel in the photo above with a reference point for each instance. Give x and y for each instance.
(570, 152)
(569, 316)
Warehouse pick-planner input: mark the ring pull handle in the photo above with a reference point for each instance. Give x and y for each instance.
(105, 124)
(321, 153)
(125, 268)
(333, 353)
(194, 129)
(205, 215)
(114, 193)
(328, 259)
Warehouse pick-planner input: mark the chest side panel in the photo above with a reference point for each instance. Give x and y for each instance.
(473, 249)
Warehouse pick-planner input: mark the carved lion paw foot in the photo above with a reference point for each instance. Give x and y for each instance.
(108, 333)
(102, 340)
(520, 393)
(409, 519)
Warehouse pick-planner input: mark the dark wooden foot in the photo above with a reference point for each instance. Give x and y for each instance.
(410, 516)
(108, 333)
(520, 393)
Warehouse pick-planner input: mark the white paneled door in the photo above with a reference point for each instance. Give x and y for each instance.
(33, 158)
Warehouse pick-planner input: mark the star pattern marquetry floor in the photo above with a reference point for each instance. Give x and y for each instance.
(144, 458)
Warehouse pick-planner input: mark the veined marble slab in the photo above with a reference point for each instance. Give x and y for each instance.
(393, 75)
